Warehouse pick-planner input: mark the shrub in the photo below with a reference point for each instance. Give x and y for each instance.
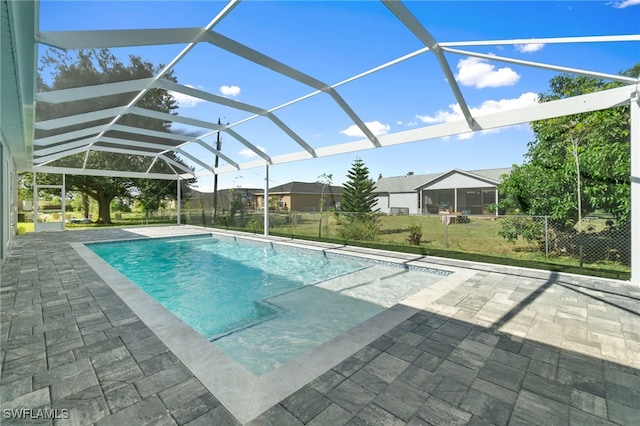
(415, 235)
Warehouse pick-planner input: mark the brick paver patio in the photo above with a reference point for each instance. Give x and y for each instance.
(506, 347)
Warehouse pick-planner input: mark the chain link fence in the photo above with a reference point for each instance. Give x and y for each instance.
(597, 243)
(600, 242)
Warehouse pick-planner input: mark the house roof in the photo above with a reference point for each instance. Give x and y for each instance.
(303, 188)
(411, 183)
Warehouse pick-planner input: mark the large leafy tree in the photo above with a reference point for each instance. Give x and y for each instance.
(92, 67)
(589, 151)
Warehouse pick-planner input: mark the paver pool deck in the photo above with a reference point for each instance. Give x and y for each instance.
(489, 344)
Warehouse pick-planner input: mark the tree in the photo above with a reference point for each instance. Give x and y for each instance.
(357, 195)
(577, 164)
(359, 219)
(325, 180)
(91, 67)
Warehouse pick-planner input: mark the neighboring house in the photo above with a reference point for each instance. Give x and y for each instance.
(454, 191)
(302, 196)
(204, 200)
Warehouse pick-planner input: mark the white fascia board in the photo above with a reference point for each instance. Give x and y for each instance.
(107, 173)
(98, 39)
(71, 120)
(50, 140)
(95, 91)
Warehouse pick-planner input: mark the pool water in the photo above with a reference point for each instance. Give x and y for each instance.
(261, 303)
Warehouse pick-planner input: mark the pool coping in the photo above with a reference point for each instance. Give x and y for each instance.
(245, 395)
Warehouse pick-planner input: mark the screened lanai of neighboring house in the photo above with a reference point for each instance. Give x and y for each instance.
(259, 134)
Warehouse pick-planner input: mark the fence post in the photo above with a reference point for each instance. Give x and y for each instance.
(546, 236)
(446, 229)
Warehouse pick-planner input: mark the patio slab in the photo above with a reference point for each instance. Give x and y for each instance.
(496, 345)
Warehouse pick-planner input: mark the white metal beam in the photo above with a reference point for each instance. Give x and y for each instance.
(410, 21)
(94, 91)
(550, 40)
(52, 140)
(176, 164)
(56, 156)
(277, 66)
(63, 147)
(129, 144)
(195, 160)
(219, 154)
(72, 120)
(107, 173)
(152, 133)
(174, 118)
(635, 187)
(599, 75)
(249, 145)
(98, 39)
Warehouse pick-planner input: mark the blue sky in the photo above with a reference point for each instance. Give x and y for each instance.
(335, 40)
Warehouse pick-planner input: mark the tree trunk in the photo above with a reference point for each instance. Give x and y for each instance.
(104, 207)
(85, 205)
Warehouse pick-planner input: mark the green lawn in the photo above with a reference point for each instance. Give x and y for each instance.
(477, 240)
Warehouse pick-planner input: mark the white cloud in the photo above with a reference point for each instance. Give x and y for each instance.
(454, 113)
(530, 47)
(376, 127)
(477, 72)
(185, 101)
(230, 90)
(247, 153)
(625, 3)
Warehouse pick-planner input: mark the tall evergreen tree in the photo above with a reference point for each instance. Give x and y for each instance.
(358, 217)
(357, 195)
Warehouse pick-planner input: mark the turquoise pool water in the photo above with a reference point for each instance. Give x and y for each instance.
(261, 303)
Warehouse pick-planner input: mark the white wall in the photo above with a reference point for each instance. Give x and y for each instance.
(8, 200)
(382, 203)
(408, 200)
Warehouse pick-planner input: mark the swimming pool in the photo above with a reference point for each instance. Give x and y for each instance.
(262, 303)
